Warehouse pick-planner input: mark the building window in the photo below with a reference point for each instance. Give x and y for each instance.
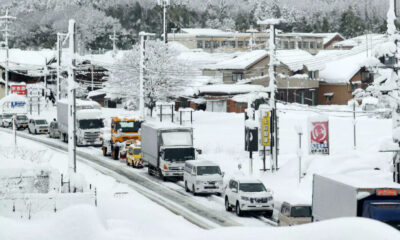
(233, 44)
(312, 74)
(286, 45)
(353, 87)
(302, 97)
(240, 43)
(305, 45)
(299, 45)
(216, 44)
(224, 43)
(319, 45)
(207, 44)
(313, 103)
(237, 77)
(281, 95)
(312, 45)
(247, 43)
(291, 45)
(199, 44)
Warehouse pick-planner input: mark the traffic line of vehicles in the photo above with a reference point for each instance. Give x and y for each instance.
(168, 151)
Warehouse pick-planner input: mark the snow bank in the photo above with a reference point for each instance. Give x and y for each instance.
(343, 228)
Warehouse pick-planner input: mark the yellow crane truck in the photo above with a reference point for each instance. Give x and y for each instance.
(122, 129)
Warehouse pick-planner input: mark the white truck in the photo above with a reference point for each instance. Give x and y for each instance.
(165, 148)
(337, 196)
(89, 122)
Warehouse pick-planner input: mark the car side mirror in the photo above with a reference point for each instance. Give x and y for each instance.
(223, 174)
(199, 151)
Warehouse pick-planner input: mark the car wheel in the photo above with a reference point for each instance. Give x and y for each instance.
(237, 209)
(268, 214)
(35, 131)
(115, 153)
(227, 207)
(104, 151)
(186, 187)
(194, 190)
(29, 130)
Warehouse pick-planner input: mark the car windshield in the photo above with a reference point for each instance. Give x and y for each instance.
(91, 124)
(252, 187)
(204, 170)
(129, 126)
(41, 122)
(23, 117)
(178, 154)
(7, 116)
(137, 151)
(301, 211)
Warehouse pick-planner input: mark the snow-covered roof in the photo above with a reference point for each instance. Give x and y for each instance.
(193, 32)
(297, 59)
(231, 89)
(325, 36)
(341, 70)
(360, 40)
(249, 97)
(242, 61)
(201, 163)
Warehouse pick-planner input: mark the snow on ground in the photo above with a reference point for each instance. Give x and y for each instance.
(121, 213)
(221, 137)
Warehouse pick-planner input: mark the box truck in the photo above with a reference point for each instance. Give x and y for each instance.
(89, 122)
(337, 196)
(166, 147)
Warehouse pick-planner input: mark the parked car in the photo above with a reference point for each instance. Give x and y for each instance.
(248, 195)
(38, 126)
(22, 121)
(294, 214)
(53, 130)
(6, 120)
(203, 177)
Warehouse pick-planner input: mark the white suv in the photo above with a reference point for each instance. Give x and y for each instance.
(202, 177)
(38, 126)
(248, 195)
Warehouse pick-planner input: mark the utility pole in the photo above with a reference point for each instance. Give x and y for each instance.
(114, 39)
(5, 19)
(273, 89)
(143, 37)
(59, 56)
(164, 4)
(91, 70)
(71, 98)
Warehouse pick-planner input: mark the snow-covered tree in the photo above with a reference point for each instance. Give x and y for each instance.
(163, 76)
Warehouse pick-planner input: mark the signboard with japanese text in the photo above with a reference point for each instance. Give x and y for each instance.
(266, 129)
(19, 89)
(319, 135)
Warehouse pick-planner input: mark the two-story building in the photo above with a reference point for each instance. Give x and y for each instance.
(296, 73)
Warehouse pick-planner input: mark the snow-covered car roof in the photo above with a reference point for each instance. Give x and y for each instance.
(201, 163)
(245, 179)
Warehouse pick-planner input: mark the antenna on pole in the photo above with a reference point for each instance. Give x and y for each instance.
(143, 36)
(114, 39)
(6, 20)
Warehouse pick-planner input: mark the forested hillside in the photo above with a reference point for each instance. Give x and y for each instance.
(39, 20)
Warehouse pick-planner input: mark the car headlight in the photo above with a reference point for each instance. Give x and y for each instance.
(220, 182)
(270, 198)
(245, 198)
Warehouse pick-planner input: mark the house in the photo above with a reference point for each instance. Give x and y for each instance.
(296, 74)
(232, 97)
(215, 40)
(342, 76)
(363, 40)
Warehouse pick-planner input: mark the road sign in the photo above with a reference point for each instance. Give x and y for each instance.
(251, 139)
(266, 129)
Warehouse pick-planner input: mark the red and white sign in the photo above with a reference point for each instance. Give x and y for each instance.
(319, 135)
(19, 89)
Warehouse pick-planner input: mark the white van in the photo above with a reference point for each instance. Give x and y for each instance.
(203, 177)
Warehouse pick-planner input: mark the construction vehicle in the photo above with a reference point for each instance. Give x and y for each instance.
(122, 130)
(133, 155)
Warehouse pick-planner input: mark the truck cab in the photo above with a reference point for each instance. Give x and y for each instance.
(122, 129)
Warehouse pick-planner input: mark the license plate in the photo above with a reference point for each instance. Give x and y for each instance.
(25, 125)
(42, 131)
